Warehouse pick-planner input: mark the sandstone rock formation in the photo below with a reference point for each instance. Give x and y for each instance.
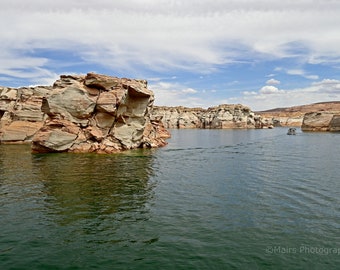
(220, 117)
(293, 116)
(20, 113)
(231, 116)
(321, 121)
(282, 119)
(92, 113)
(334, 125)
(98, 113)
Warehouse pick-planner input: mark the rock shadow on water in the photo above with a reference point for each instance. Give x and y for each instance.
(96, 187)
(78, 210)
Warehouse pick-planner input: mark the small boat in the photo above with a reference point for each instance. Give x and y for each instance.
(291, 131)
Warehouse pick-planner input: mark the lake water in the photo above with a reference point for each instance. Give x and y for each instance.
(211, 199)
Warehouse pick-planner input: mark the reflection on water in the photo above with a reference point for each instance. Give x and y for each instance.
(62, 206)
(211, 199)
(85, 186)
(79, 185)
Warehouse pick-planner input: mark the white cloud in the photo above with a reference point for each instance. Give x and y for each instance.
(249, 93)
(24, 67)
(312, 77)
(163, 36)
(327, 82)
(273, 82)
(301, 72)
(189, 91)
(269, 89)
(175, 94)
(269, 97)
(329, 86)
(189, 35)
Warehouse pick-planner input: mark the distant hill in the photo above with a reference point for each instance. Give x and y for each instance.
(293, 116)
(320, 106)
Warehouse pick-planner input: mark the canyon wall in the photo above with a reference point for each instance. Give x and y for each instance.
(219, 117)
(99, 113)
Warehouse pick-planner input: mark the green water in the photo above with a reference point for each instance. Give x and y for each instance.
(211, 199)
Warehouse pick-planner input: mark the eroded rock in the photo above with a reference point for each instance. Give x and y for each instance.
(334, 125)
(293, 116)
(321, 121)
(20, 113)
(98, 113)
(219, 117)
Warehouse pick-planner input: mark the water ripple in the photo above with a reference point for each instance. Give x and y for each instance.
(211, 199)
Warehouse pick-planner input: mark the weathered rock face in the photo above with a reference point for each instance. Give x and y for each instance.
(220, 117)
(334, 125)
(98, 113)
(20, 113)
(321, 121)
(179, 117)
(230, 116)
(282, 120)
(293, 116)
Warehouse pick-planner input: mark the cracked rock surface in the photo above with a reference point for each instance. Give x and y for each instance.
(81, 113)
(98, 113)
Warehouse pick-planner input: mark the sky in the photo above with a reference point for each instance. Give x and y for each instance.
(196, 53)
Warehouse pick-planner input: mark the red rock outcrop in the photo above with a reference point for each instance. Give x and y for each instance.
(98, 113)
(20, 113)
(92, 113)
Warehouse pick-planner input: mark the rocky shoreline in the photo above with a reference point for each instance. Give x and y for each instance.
(321, 121)
(224, 116)
(104, 114)
(294, 116)
(99, 113)
(85, 113)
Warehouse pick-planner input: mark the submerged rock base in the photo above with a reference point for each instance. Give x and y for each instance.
(98, 113)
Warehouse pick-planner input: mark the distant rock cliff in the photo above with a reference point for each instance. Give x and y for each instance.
(321, 121)
(92, 113)
(219, 117)
(293, 116)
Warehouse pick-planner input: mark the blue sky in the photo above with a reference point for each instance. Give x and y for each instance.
(195, 53)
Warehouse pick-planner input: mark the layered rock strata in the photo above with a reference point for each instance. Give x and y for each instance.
(220, 117)
(92, 113)
(20, 113)
(293, 116)
(98, 113)
(321, 121)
